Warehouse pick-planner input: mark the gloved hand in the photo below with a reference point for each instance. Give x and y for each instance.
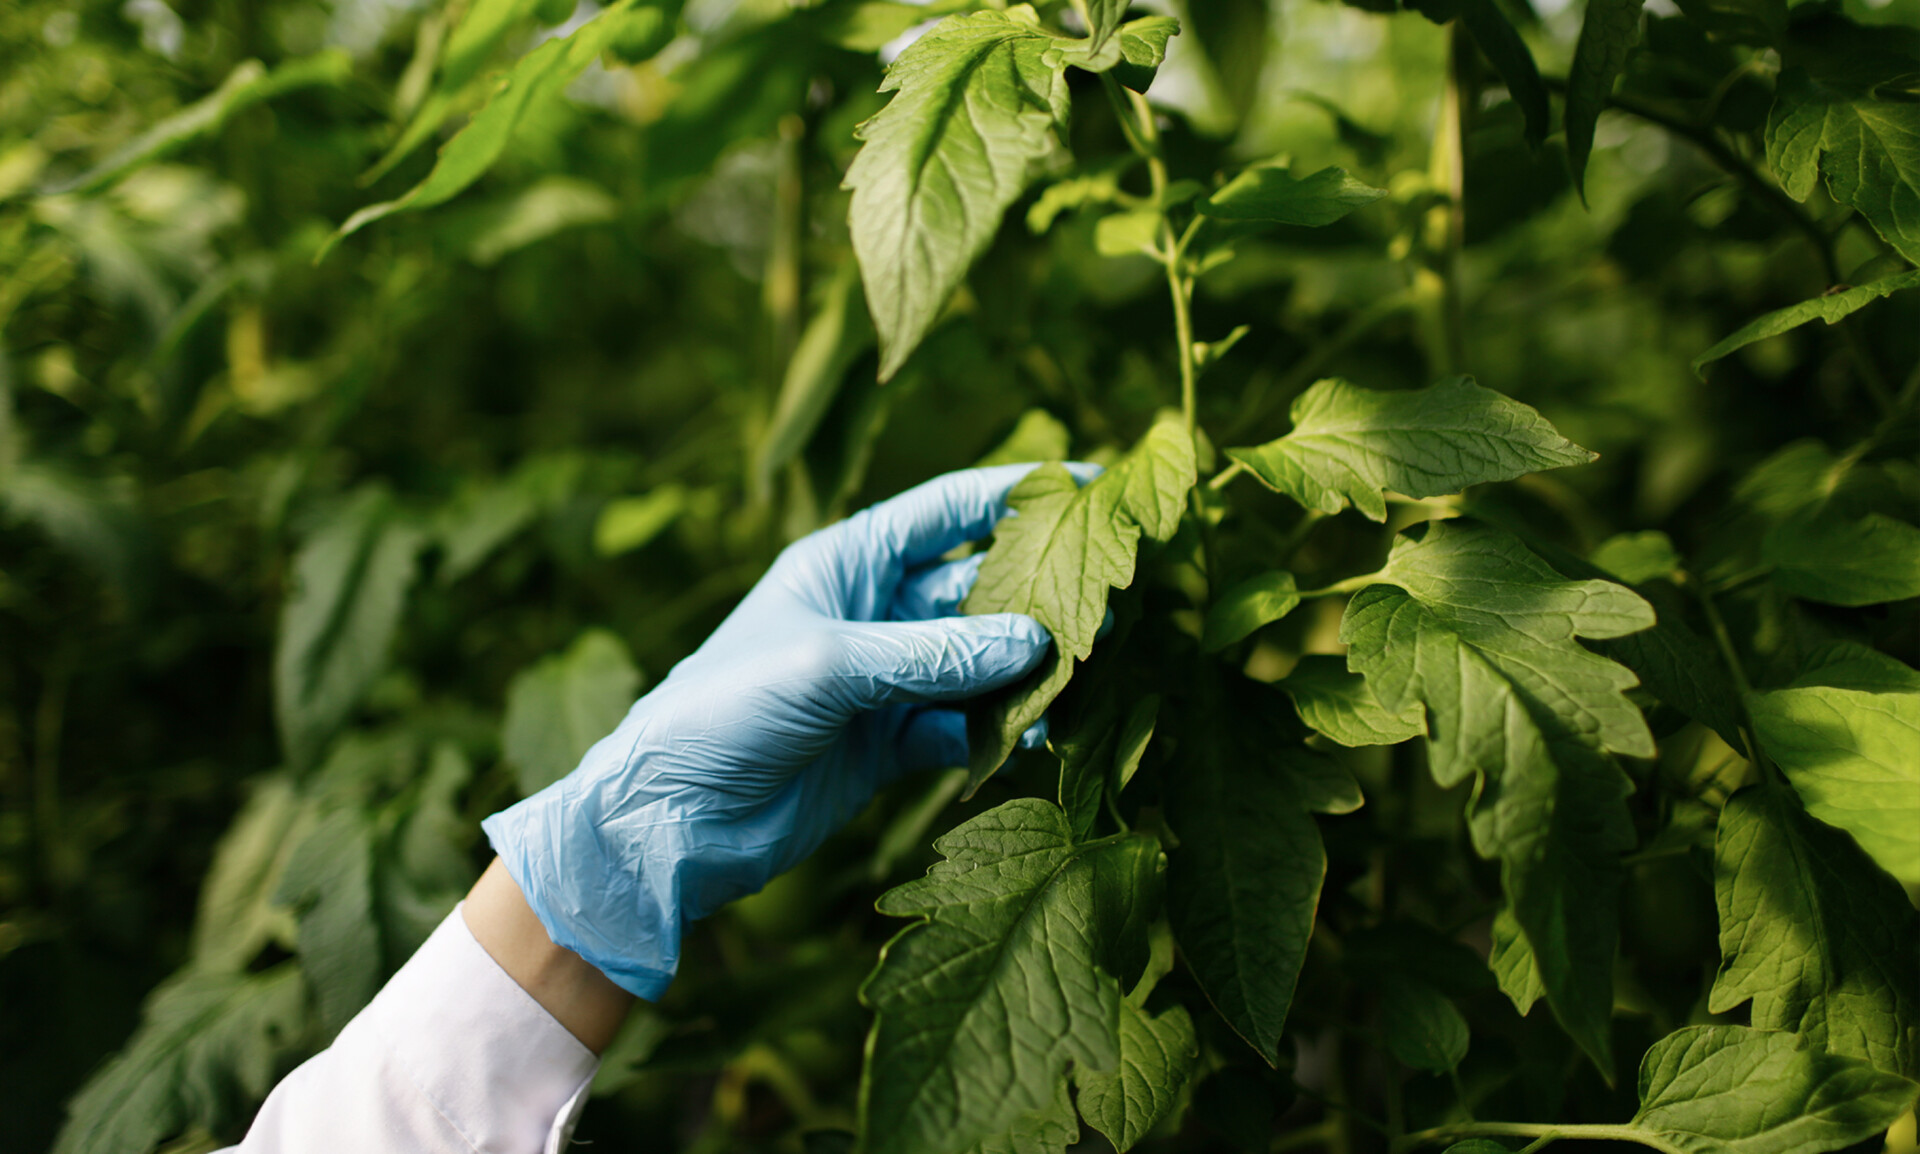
(817, 690)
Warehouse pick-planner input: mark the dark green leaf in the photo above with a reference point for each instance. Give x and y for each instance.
(1481, 632)
(1818, 937)
(1826, 555)
(975, 118)
(1734, 1090)
(350, 583)
(1830, 307)
(329, 885)
(1057, 557)
(209, 1046)
(1010, 978)
(1500, 42)
(1234, 34)
(1423, 1028)
(836, 336)
(1339, 704)
(559, 707)
(1259, 600)
(1272, 194)
(1606, 36)
(1350, 444)
(1244, 883)
(237, 915)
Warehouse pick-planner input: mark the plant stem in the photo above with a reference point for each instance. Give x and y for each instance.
(1537, 1130)
(1350, 585)
(1225, 476)
(1724, 641)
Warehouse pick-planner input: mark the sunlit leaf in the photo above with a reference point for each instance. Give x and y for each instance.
(1259, 600)
(1339, 704)
(1868, 148)
(1818, 937)
(1735, 1090)
(1850, 755)
(1830, 307)
(1350, 444)
(974, 120)
(1272, 194)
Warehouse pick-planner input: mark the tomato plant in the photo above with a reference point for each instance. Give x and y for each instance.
(1483, 710)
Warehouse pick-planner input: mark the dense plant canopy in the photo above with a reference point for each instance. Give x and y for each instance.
(1485, 667)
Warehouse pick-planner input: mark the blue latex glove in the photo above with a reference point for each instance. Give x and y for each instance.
(816, 691)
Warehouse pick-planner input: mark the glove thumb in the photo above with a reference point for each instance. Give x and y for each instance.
(944, 659)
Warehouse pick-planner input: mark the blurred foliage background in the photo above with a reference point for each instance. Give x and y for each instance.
(310, 558)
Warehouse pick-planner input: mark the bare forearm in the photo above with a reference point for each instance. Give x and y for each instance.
(580, 997)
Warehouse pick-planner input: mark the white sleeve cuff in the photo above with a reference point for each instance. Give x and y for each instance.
(452, 1055)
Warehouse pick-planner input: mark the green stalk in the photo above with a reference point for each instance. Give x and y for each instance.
(1731, 657)
(1536, 1130)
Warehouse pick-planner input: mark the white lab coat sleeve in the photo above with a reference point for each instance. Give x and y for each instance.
(451, 1056)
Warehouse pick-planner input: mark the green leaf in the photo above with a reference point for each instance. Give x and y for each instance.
(979, 101)
(237, 915)
(1480, 631)
(349, 588)
(1011, 977)
(1850, 755)
(1351, 444)
(1606, 37)
(1272, 194)
(1339, 704)
(1127, 234)
(1097, 184)
(1850, 665)
(1511, 961)
(1259, 600)
(1157, 1057)
(1831, 307)
(329, 885)
(561, 705)
(209, 1048)
(1500, 42)
(837, 335)
(1244, 883)
(250, 83)
(1037, 436)
(1820, 938)
(1423, 1028)
(1632, 558)
(1057, 556)
(871, 25)
(547, 207)
(1735, 1090)
(1827, 556)
(1235, 37)
(627, 523)
(1103, 19)
(1100, 752)
(1478, 1146)
(540, 75)
(1868, 148)
(1143, 48)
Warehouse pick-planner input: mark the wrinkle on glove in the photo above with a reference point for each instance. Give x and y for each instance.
(821, 687)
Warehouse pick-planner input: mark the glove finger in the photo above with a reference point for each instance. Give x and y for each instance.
(932, 739)
(907, 662)
(1035, 735)
(929, 519)
(935, 591)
